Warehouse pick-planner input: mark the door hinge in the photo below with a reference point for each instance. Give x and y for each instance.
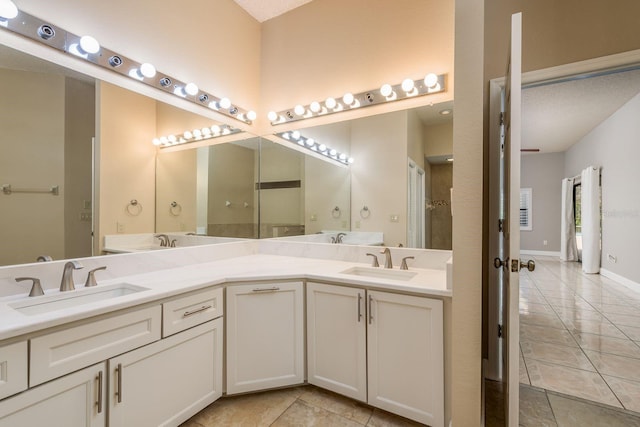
(501, 118)
(515, 265)
(499, 331)
(500, 225)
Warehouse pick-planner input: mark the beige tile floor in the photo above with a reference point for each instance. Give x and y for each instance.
(580, 334)
(298, 406)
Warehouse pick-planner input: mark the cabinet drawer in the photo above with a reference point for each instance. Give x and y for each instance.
(191, 310)
(70, 349)
(13, 368)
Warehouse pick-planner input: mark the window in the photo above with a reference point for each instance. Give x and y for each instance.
(526, 223)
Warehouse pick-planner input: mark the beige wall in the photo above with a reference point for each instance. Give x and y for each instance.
(80, 128)
(176, 175)
(188, 41)
(32, 159)
(415, 138)
(126, 126)
(438, 139)
(329, 47)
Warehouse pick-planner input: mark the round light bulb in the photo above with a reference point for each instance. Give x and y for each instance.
(164, 140)
(407, 85)
(333, 152)
(330, 103)
(197, 133)
(431, 80)
(187, 134)
(89, 44)
(272, 116)
(8, 9)
(206, 131)
(215, 129)
(299, 110)
(251, 115)
(314, 106)
(322, 148)
(172, 138)
(310, 142)
(386, 90)
(191, 89)
(348, 98)
(295, 134)
(225, 103)
(147, 70)
(156, 141)
(342, 156)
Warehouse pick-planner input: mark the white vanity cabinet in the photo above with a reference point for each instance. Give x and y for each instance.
(75, 400)
(265, 336)
(400, 349)
(337, 339)
(166, 382)
(13, 368)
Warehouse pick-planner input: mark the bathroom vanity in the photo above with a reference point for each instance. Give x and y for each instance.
(152, 354)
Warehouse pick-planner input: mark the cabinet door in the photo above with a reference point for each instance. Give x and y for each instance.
(165, 383)
(75, 400)
(405, 354)
(336, 339)
(265, 336)
(13, 368)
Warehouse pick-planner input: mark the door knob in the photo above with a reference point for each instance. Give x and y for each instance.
(530, 265)
(498, 263)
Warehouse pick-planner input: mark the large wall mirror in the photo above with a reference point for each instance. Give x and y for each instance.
(245, 186)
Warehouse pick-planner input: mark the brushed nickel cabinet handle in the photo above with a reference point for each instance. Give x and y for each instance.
(99, 402)
(273, 289)
(370, 309)
(119, 392)
(191, 313)
(359, 308)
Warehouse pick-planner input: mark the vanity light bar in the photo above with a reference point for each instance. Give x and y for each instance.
(195, 135)
(88, 48)
(429, 85)
(312, 145)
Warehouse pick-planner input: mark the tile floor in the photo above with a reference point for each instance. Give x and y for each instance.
(298, 406)
(580, 334)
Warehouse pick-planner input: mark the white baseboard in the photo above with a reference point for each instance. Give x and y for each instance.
(540, 253)
(620, 279)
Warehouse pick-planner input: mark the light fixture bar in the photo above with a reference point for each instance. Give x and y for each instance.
(317, 147)
(429, 85)
(58, 38)
(196, 135)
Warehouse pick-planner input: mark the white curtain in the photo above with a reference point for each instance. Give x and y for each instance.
(590, 200)
(568, 247)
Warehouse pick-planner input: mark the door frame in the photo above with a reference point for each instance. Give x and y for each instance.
(492, 365)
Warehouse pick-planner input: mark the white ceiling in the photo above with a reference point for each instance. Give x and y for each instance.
(263, 10)
(556, 116)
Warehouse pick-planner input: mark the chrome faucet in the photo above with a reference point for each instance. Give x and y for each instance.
(387, 261)
(339, 237)
(67, 276)
(164, 240)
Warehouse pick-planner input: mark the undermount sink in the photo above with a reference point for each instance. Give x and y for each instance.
(380, 273)
(62, 300)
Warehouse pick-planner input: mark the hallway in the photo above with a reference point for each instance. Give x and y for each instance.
(580, 334)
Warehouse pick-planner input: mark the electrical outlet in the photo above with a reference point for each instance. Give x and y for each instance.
(313, 217)
(86, 204)
(120, 227)
(358, 224)
(544, 242)
(612, 258)
(182, 226)
(394, 218)
(85, 216)
(344, 224)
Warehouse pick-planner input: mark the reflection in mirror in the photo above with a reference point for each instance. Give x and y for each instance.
(47, 117)
(209, 190)
(409, 206)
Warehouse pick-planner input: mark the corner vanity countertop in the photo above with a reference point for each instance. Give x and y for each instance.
(171, 282)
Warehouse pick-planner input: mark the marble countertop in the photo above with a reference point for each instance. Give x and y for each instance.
(170, 282)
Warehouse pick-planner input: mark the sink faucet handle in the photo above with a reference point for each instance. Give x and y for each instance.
(374, 262)
(91, 277)
(403, 265)
(36, 288)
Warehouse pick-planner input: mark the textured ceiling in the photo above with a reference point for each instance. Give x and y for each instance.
(263, 10)
(556, 116)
